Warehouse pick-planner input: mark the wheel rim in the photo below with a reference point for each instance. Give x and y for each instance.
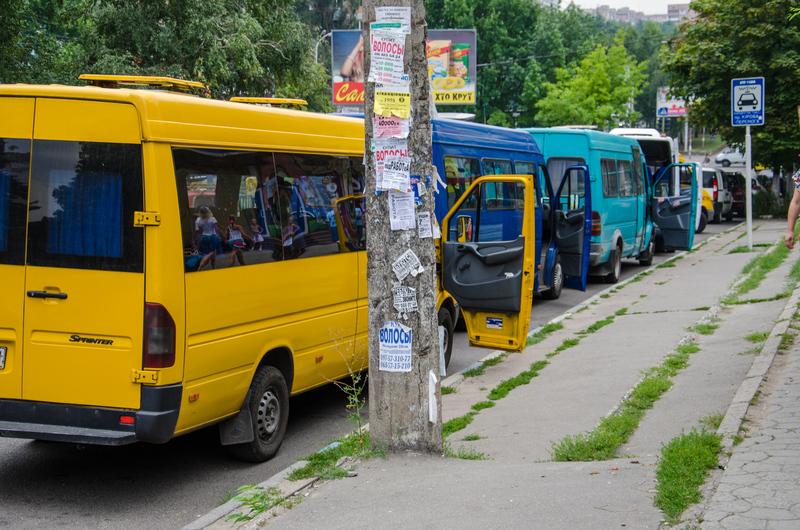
(558, 278)
(269, 414)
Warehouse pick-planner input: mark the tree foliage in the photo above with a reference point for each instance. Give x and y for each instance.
(237, 47)
(742, 38)
(599, 90)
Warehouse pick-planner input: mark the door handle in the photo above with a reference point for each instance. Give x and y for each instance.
(47, 294)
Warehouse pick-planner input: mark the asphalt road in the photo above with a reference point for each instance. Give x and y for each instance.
(145, 486)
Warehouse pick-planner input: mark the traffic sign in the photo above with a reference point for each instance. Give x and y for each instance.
(747, 101)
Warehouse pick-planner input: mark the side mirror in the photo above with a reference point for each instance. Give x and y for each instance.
(464, 229)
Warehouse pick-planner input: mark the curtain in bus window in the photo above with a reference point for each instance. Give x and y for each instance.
(88, 218)
(83, 195)
(556, 168)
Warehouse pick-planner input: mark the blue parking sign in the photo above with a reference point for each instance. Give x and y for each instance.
(747, 101)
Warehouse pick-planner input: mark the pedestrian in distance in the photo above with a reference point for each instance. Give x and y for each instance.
(794, 210)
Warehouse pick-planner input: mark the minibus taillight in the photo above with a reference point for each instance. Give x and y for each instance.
(716, 188)
(159, 337)
(597, 225)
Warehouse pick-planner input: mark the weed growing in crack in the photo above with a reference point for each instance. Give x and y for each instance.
(464, 453)
(456, 424)
(258, 500)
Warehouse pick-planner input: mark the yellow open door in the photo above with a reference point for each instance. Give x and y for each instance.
(488, 259)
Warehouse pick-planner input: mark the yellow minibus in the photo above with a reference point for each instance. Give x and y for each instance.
(169, 262)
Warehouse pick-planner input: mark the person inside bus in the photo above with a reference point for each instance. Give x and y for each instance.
(208, 237)
(236, 243)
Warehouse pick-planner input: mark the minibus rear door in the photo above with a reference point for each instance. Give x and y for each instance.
(488, 259)
(574, 225)
(674, 204)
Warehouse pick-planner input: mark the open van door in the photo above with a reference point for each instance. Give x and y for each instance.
(574, 225)
(488, 256)
(674, 204)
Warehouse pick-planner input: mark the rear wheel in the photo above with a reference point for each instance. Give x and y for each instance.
(646, 258)
(703, 221)
(726, 163)
(557, 284)
(446, 322)
(268, 399)
(615, 261)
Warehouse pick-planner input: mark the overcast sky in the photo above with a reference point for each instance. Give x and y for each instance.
(647, 6)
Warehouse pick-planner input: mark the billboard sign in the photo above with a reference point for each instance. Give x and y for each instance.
(669, 107)
(452, 67)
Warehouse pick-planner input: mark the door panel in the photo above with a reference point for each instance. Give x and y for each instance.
(674, 205)
(84, 280)
(16, 129)
(488, 241)
(574, 225)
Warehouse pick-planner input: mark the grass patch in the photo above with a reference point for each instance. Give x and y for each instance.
(737, 439)
(258, 500)
(480, 405)
(481, 368)
(456, 424)
(565, 345)
(758, 336)
(544, 332)
(605, 295)
(712, 421)
(474, 372)
(600, 324)
(757, 269)
(773, 298)
(471, 438)
(683, 467)
(322, 464)
(448, 390)
(620, 312)
(742, 249)
(464, 453)
(614, 430)
(666, 265)
(506, 386)
(787, 339)
(705, 328)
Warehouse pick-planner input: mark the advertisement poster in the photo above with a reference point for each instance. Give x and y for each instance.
(452, 67)
(669, 107)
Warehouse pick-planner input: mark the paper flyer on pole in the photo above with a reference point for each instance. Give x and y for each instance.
(394, 347)
(401, 210)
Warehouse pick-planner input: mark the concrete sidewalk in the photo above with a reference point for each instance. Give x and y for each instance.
(517, 486)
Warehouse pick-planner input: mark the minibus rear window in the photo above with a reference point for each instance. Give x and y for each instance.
(14, 162)
(82, 200)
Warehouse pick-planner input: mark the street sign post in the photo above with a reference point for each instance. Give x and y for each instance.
(747, 109)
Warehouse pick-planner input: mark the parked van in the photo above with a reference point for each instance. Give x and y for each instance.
(721, 196)
(621, 222)
(170, 262)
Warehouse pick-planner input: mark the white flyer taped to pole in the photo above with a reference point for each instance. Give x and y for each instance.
(401, 210)
(385, 147)
(395, 14)
(397, 173)
(424, 229)
(389, 127)
(386, 65)
(407, 263)
(433, 409)
(404, 299)
(394, 340)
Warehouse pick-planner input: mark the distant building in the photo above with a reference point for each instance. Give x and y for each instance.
(675, 13)
(550, 3)
(678, 12)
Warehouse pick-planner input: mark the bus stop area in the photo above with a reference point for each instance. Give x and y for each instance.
(506, 439)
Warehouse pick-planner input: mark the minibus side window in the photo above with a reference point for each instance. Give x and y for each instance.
(82, 199)
(608, 170)
(627, 184)
(309, 186)
(637, 171)
(230, 208)
(15, 157)
(528, 168)
(459, 174)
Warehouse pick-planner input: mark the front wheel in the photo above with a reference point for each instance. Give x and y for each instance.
(554, 292)
(446, 322)
(615, 261)
(268, 399)
(726, 163)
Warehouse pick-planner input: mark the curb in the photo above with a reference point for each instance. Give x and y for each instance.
(755, 376)
(223, 510)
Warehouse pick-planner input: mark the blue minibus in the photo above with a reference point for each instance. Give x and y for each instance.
(627, 201)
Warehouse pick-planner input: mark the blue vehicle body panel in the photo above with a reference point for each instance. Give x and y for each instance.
(624, 219)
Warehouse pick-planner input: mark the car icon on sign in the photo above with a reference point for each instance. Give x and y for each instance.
(748, 99)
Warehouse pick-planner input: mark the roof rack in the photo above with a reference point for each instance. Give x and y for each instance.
(272, 102)
(164, 83)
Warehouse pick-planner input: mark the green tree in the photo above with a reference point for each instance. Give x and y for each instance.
(742, 38)
(600, 90)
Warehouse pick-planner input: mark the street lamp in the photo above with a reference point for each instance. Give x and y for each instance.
(316, 46)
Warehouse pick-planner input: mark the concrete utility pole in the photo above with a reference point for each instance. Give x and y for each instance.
(404, 397)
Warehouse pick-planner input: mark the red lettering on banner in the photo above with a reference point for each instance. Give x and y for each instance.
(348, 92)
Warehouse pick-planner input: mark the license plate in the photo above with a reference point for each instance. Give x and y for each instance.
(3, 350)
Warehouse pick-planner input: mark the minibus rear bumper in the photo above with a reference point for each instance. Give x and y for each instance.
(154, 422)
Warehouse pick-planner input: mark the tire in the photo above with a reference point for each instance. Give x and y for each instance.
(616, 266)
(554, 292)
(646, 258)
(446, 321)
(703, 221)
(268, 399)
(726, 163)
